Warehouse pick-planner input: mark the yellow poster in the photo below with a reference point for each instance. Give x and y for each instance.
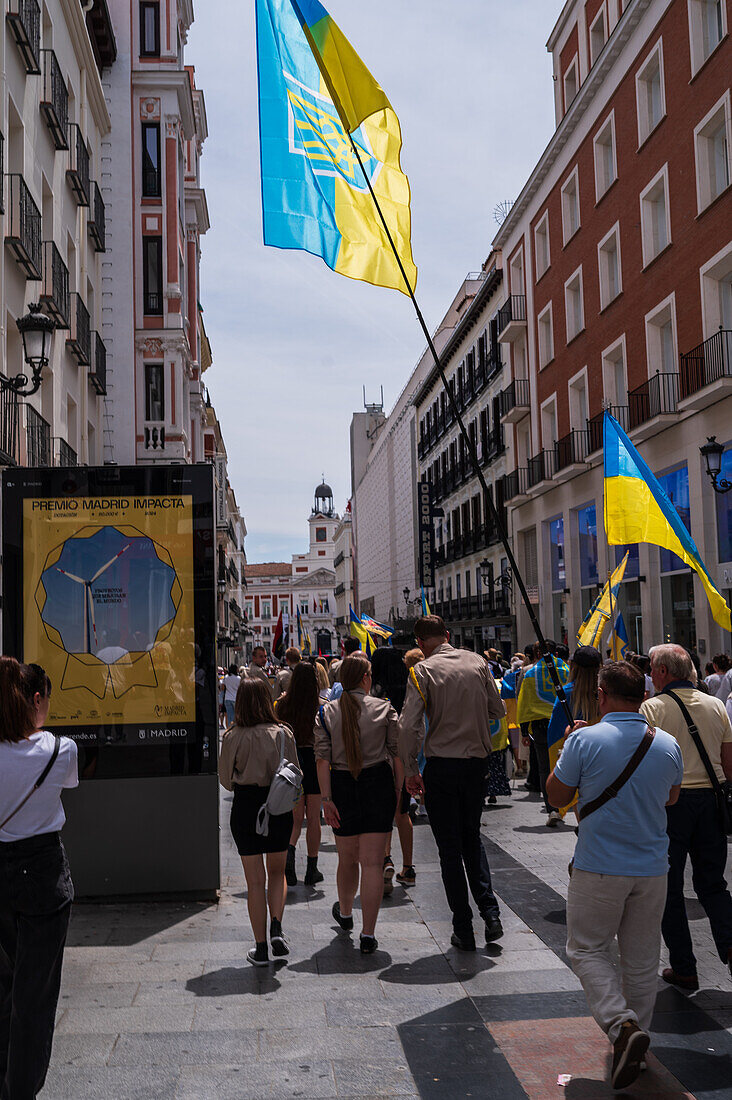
(108, 607)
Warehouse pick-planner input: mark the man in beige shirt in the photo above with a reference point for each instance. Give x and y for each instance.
(456, 691)
(256, 666)
(694, 826)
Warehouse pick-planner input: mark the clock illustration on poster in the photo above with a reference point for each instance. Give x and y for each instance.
(108, 597)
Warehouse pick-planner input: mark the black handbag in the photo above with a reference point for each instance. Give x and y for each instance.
(722, 791)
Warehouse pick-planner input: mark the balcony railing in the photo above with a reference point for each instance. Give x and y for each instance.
(78, 171)
(98, 369)
(55, 100)
(540, 468)
(79, 339)
(495, 363)
(37, 438)
(97, 225)
(154, 436)
(338, 559)
(515, 483)
(570, 449)
(65, 455)
(514, 309)
(23, 229)
(24, 19)
(515, 397)
(660, 394)
(594, 426)
(339, 589)
(493, 444)
(9, 422)
(706, 363)
(55, 292)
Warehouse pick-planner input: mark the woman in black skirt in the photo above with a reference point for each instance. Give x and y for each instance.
(299, 707)
(250, 756)
(355, 738)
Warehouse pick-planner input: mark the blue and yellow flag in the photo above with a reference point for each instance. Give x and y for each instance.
(619, 644)
(425, 605)
(358, 630)
(374, 628)
(596, 619)
(536, 694)
(299, 630)
(638, 510)
(314, 91)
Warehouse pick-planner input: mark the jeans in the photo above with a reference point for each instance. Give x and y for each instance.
(35, 905)
(454, 802)
(694, 830)
(599, 909)
(539, 730)
(229, 705)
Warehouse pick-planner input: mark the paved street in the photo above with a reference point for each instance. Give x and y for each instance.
(158, 1000)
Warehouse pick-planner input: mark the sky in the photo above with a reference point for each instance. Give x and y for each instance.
(294, 344)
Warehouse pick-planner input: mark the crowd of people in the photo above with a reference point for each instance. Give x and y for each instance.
(638, 752)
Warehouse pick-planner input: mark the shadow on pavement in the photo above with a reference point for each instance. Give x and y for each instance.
(125, 925)
(342, 956)
(231, 981)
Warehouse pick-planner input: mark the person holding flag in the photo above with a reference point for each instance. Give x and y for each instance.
(536, 700)
(581, 693)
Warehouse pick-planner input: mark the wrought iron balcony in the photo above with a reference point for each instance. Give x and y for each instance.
(64, 454)
(495, 362)
(709, 362)
(514, 400)
(339, 589)
(154, 437)
(570, 450)
(55, 293)
(79, 339)
(9, 422)
(338, 559)
(515, 483)
(37, 439)
(78, 171)
(97, 221)
(55, 100)
(512, 316)
(594, 426)
(98, 369)
(23, 228)
(24, 20)
(659, 395)
(541, 468)
(492, 444)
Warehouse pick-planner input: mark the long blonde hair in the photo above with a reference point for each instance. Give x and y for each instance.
(584, 692)
(352, 671)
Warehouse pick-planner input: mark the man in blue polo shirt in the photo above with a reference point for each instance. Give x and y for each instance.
(618, 884)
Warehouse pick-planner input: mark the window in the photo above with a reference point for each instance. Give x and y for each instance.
(587, 530)
(712, 145)
(545, 327)
(614, 379)
(541, 245)
(558, 578)
(676, 487)
(707, 28)
(655, 218)
(598, 34)
(574, 305)
(152, 274)
(571, 83)
(320, 534)
(570, 206)
(149, 28)
(151, 160)
(650, 93)
(578, 407)
(154, 392)
(605, 161)
(549, 423)
(661, 338)
(608, 262)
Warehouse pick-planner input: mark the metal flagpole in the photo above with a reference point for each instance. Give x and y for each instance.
(548, 658)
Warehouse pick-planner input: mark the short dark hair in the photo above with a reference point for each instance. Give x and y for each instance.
(258, 648)
(292, 654)
(351, 645)
(232, 670)
(721, 661)
(563, 651)
(253, 705)
(430, 626)
(622, 680)
(550, 646)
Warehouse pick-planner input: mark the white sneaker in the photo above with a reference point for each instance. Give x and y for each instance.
(553, 819)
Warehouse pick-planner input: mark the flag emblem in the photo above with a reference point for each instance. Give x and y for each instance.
(316, 132)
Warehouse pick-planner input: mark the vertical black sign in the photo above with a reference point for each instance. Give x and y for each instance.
(426, 537)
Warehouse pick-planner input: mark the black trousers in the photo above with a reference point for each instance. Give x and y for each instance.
(694, 830)
(35, 905)
(539, 731)
(454, 802)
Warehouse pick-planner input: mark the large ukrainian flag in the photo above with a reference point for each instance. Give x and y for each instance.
(638, 510)
(313, 91)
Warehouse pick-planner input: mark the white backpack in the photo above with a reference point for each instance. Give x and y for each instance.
(284, 790)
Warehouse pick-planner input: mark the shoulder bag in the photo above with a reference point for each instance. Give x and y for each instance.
(284, 790)
(612, 789)
(39, 782)
(722, 791)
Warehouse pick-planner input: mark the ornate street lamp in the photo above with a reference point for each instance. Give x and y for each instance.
(406, 593)
(712, 452)
(485, 572)
(36, 330)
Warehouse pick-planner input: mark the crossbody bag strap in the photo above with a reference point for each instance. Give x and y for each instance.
(613, 788)
(321, 715)
(39, 782)
(696, 738)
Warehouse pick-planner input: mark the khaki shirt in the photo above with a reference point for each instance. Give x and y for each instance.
(254, 672)
(377, 727)
(457, 692)
(251, 754)
(282, 682)
(710, 718)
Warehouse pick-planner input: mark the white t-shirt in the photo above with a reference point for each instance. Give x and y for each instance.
(21, 764)
(231, 686)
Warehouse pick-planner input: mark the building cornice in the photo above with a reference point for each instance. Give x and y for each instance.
(490, 284)
(79, 34)
(150, 81)
(196, 196)
(583, 101)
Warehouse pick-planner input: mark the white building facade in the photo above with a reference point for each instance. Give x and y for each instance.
(343, 568)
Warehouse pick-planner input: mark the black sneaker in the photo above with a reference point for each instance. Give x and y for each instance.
(290, 873)
(259, 955)
(493, 930)
(463, 943)
(629, 1052)
(279, 944)
(388, 876)
(312, 874)
(368, 944)
(346, 923)
(407, 876)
